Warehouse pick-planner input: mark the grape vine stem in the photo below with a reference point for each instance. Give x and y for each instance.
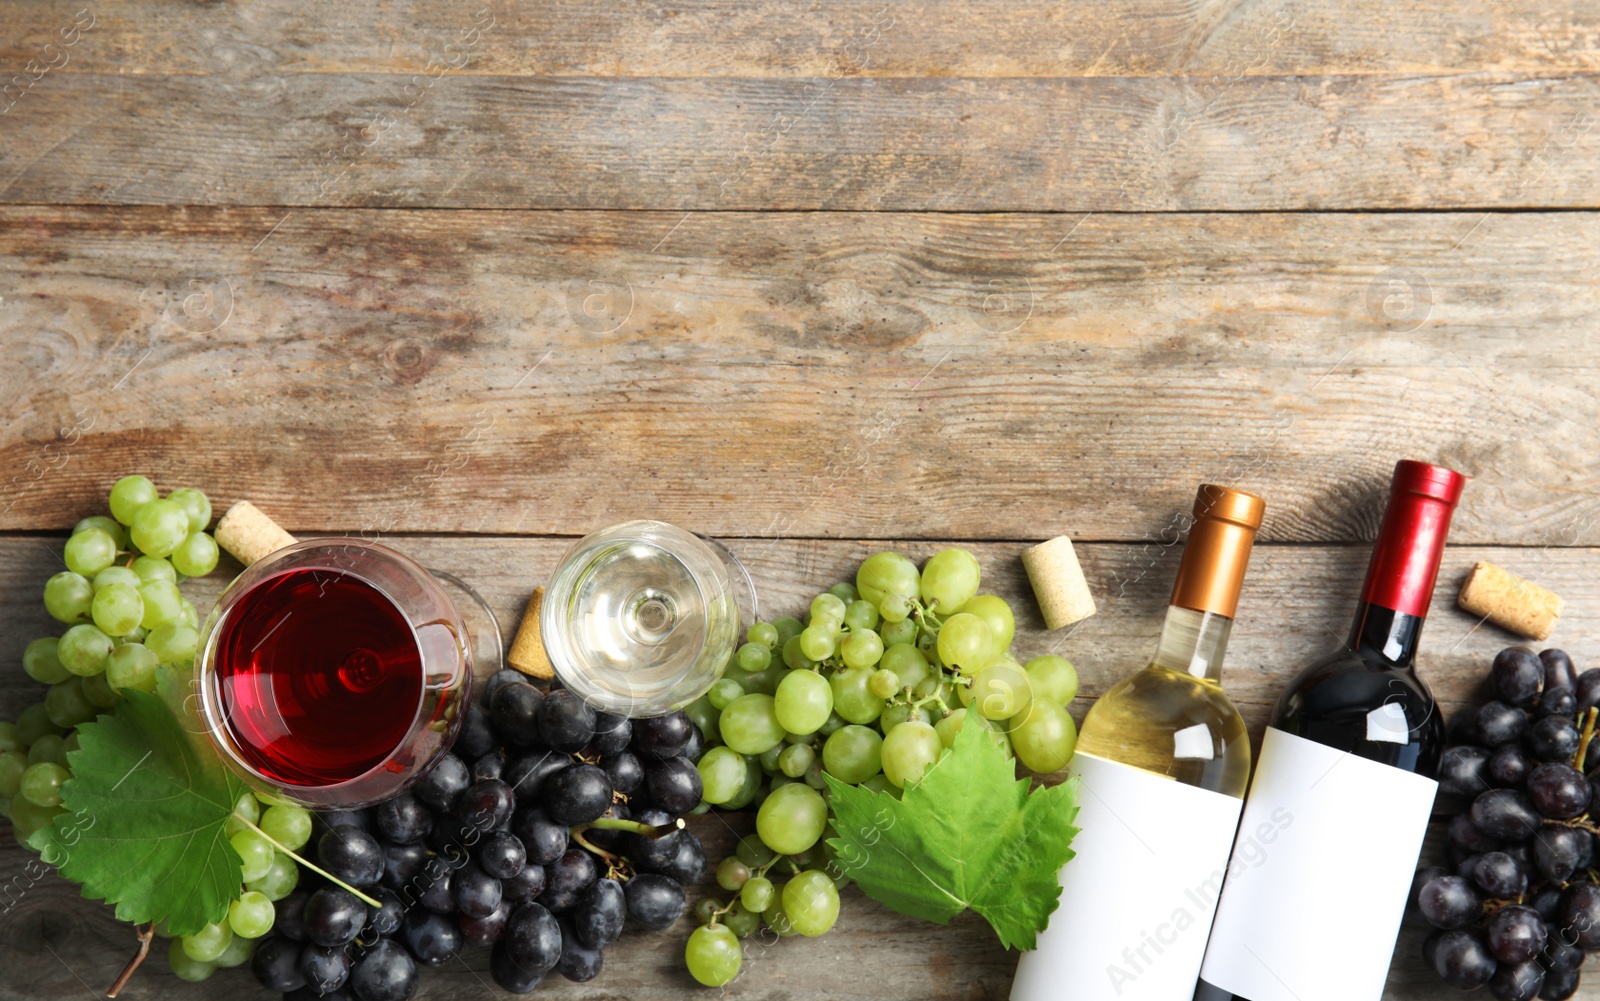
(274, 842)
(1588, 735)
(145, 935)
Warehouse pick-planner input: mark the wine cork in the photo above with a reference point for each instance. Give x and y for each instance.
(247, 533)
(527, 650)
(1058, 582)
(1510, 602)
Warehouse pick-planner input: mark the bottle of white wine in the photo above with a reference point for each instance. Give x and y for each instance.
(1162, 766)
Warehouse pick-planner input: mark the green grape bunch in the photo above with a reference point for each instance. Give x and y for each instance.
(125, 615)
(872, 690)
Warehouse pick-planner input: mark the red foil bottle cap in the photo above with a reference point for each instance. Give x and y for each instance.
(1405, 560)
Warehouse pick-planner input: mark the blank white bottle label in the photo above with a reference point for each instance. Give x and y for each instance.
(1137, 899)
(1319, 877)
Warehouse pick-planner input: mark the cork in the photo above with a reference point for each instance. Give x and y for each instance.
(1514, 604)
(1058, 582)
(527, 650)
(249, 534)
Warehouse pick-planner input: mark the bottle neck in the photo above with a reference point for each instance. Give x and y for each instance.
(1193, 642)
(1384, 637)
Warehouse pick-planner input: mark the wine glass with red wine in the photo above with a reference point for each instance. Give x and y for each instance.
(335, 671)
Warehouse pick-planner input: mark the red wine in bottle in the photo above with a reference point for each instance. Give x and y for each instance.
(1344, 786)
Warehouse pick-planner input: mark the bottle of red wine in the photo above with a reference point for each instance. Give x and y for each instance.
(1344, 786)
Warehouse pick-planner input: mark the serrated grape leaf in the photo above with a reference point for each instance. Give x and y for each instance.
(144, 810)
(970, 834)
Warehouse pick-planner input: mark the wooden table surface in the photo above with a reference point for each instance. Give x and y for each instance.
(816, 279)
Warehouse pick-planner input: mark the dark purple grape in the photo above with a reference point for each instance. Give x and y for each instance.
(1430, 946)
(1559, 986)
(438, 893)
(674, 784)
(1449, 902)
(526, 775)
(1505, 813)
(1467, 866)
(542, 838)
(689, 865)
(289, 914)
(1558, 790)
(498, 680)
(1516, 934)
(334, 916)
(1579, 919)
(1509, 766)
(1499, 723)
(1517, 981)
(1465, 837)
(508, 975)
(1558, 670)
(490, 766)
(501, 855)
(578, 794)
(624, 770)
(486, 930)
(611, 734)
(1558, 852)
(1588, 689)
(477, 737)
(1422, 877)
(1516, 675)
(695, 747)
(352, 855)
(1463, 729)
(1464, 771)
(1559, 956)
(566, 878)
(1462, 960)
(403, 819)
(525, 885)
(443, 784)
(605, 840)
(654, 901)
(324, 968)
(385, 919)
(515, 710)
(384, 972)
(305, 993)
(486, 805)
(598, 918)
(276, 963)
(476, 893)
(662, 736)
(532, 938)
(1522, 854)
(1553, 738)
(327, 820)
(1547, 901)
(1557, 702)
(401, 863)
(1498, 875)
(432, 938)
(566, 722)
(578, 961)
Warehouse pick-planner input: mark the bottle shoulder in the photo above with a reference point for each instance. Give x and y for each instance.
(1364, 705)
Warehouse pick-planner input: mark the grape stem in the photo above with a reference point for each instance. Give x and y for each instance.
(1588, 735)
(612, 859)
(145, 935)
(274, 842)
(619, 824)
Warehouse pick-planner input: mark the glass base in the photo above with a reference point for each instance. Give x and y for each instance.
(484, 641)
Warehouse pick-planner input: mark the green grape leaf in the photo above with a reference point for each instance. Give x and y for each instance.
(144, 811)
(970, 834)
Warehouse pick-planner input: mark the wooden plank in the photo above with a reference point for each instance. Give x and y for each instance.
(834, 374)
(839, 37)
(1281, 142)
(1296, 600)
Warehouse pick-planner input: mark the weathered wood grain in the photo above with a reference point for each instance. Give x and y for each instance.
(836, 374)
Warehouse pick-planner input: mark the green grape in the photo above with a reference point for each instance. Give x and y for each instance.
(713, 955)
(861, 649)
(118, 534)
(162, 603)
(803, 702)
(71, 743)
(765, 682)
(883, 574)
(754, 657)
(853, 754)
(860, 615)
(827, 607)
(818, 643)
(706, 908)
(795, 657)
(28, 817)
(41, 783)
(833, 723)
(792, 818)
(732, 874)
(704, 715)
(173, 643)
(67, 705)
(950, 578)
(42, 663)
(280, 880)
(966, 643)
(750, 724)
(788, 627)
(196, 555)
(844, 591)
(757, 894)
(722, 773)
(131, 665)
(50, 748)
(149, 568)
(1054, 679)
(34, 722)
(754, 782)
(68, 597)
(795, 759)
(9, 741)
(852, 696)
(724, 692)
(950, 725)
(910, 667)
(247, 807)
(194, 504)
(128, 495)
(776, 919)
(901, 712)
(251, 915)
(769, 757)
(1001, 691)
(236, 954)
(186, 968)
(191, 618)
(158, 528)
(909, 750)
(90, 551)
(83, 650)
(208, 943)
(894, 633)
(894, 608)
(12, 765)
(883, 684)
(741, 920)
(114, 575)
(993, 610)
(255, 852)
(812, 902)
(813, 775)
(134, 635)
(764, 633)
(288, 825)
(117, 609)
(753, 852)
(1046, 737)
(936, 686)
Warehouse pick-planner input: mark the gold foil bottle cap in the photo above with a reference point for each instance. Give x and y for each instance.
(1218, 551)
